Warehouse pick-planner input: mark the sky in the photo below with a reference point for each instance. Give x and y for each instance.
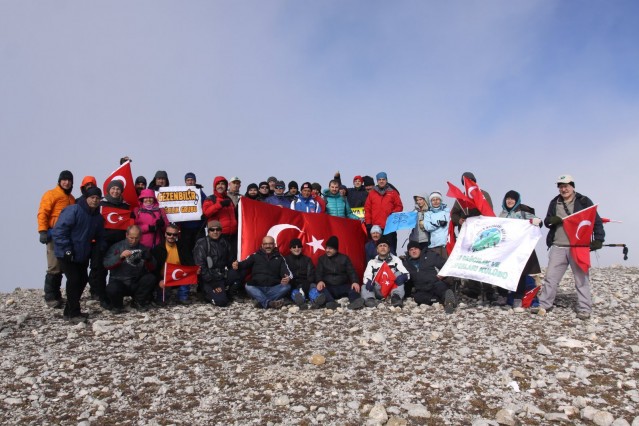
(516, 92)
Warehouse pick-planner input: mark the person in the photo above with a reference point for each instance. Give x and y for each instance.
(356, 196)
(436, 224)
(213, 255)
(270, 275)
(381, 202)
(252, 192)
(316, 191)
(76, 228)
(176, 252)
(336, 204)
(303, 271)
(372, 289)
(293, 190)
(370, 248)
(427, 287)
(419, 233)
(51, 205)
(87, 182)
(336, 278)
(220, 207)
(234, 190)
(513, 209)
(279, 198)
(140, 184)
(559, 256)
(305, 202)
(263, 191)
(369, 184)
(191, 230)
(150, 218)
(272, 182)
(160, 180)
(131, 267)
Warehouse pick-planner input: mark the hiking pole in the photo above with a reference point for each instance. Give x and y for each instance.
(624, 251)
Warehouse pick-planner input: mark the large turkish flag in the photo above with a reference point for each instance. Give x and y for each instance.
(258, 219)
(123, 174)
(474, 193)
(579, 227)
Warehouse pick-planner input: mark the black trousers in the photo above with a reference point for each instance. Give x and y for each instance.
(215, 292)
(433, 293)
(140, 289)
(77, 278)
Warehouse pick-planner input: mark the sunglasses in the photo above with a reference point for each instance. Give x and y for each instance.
(296, 247)
(215, 229)
(172, 234)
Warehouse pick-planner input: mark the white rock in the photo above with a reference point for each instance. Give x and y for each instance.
(377, 415)
(281, 400)
(566, 342)
(102, 327)
(603, 418)
(620, 422)
(505, 417)
(10, 302)
(20, 371)
(556, 417)
(582, 373)
(417, 410)
(13, 401)
(378, 338)
(563, 375)
(298, 408)
(588, 412)
(396, 421)
(353, 405)
(542, 350)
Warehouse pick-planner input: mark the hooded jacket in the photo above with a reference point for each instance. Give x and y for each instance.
(51, 205)
(147, 219)
(214, 209)
(75, 229)
(380, 203)
(438, 234)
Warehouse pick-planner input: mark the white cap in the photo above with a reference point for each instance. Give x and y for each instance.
(565, 179)
(235, 178)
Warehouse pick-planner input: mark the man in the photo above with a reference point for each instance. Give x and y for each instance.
(356, 195)
(263, 191)
(369, 184)
(219, 206)
(372, 290)
(336, 204)
(336, 278)
(140, 184)
(212, 254)
(191, 230)
(175, 252)
(382, 200)
(427, 287)
(234, 190)
(370, 248)
(293, 190)
(270, 275)
(305, 201)
(316, 190)
(87, 182)
(272, 181)
(73, 233)
(279, 198)
(51, 205)
(303, 272)
(131, 265)
(559, 256)
(160, 180)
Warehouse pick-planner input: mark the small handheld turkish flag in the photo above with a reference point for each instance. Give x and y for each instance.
(474, 192)
(116, 218)
(386, 280)
(579, 227)
(123, 174)
(529, 296)
(175, 275)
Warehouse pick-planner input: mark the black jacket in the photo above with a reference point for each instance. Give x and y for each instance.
(159, 253)
(423, 274)
(220, 253)
(302, 268)
(335, 270)
(581, 202)
(266, 270)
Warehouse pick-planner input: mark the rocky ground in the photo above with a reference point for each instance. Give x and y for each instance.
(204, 365)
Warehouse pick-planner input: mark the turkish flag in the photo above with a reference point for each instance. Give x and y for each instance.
(474, 193)
(579, 227)
(175, 275)
(462, 199)
(116, 218)
(452, 238)
(529, 296)
(386, 280)
(123, 174)
(258, 219)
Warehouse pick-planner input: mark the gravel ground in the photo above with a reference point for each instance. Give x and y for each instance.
(239, 365)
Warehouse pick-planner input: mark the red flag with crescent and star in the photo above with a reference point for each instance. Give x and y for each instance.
(386, 280)
(175, 275)
(579, 227)
(452, 238)
(258, 219)
(473, 191)
(123, 174)
(456, 193)
(115, 218)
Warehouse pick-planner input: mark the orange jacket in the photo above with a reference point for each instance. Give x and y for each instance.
(51, 204)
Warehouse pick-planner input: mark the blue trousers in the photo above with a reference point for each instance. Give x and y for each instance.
(265, 294)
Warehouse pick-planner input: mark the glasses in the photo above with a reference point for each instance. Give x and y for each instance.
(172, 234)
(296, 247)
(215, 229)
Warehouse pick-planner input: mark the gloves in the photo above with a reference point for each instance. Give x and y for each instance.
(535, 221)
(401, 279)
(151, 228)
(225, 202)
(159, 223)
(595, 245)
(369, 285)
(554, 220)
(68, 256)
(44, 238)
(442, 222)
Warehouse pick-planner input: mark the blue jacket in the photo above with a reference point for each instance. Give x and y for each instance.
(438, 234)
(279, 200)
(336, 205)
(75, 229)
(306, 205)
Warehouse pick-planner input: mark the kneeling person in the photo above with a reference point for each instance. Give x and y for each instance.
(372, 290)
(213, 255)
(303, 273)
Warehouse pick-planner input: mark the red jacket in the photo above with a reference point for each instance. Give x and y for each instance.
(380, 204)
(214, 210)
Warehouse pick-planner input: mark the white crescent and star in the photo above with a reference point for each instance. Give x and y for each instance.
(275, 230)
(108, 218)
(184, 274)
(470, 191)
(120, 178)
(582, 223)
(316, 244)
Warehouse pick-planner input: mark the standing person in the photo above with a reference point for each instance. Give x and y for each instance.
(279, 198)
(293, 190)
(559, 257)
(316, 191)
(73, 233)
(305, 201)
(213, 255)
(303, 271)
(160, 180)
(263, 191)
(372, 290)
(87, 182)
(191, 230)
(419, 234)
(219, 206)
(140, 184)
(175, 252)
(51, 205)
(382, 200)
(252, 191)
(356, 195)
(150, 218)
(336, 204)
(513, 209)
(234, 190)
(436, 223)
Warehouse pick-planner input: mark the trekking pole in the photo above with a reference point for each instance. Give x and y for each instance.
(624, 251)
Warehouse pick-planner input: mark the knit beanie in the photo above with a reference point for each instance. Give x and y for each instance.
(333, 242)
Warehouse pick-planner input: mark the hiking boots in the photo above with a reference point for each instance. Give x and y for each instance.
(319, 301)
(449, 301)
(55, 304)
(82, 317)
(184, 302)
(299, 299)
(500, 301)
(332, 305)
(356, 304)
(371, 302)
(396, 301)
(538, 310)
(583, 315)
(276, 304)
(517, 308)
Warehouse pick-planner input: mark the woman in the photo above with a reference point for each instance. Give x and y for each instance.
(512, 208)
(436, 223)
(419, 234)
(150, 218)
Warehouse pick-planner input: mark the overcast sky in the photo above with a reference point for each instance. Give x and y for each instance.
(517, 92)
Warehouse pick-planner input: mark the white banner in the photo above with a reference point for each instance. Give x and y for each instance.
(492, 250)
(180, 203)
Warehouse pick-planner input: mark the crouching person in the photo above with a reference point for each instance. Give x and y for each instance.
(131, 265)
(303, 273)
(372, 290)
(336, 278)
(270, 276)
(213, 255)
(427, 285)
(171, 251)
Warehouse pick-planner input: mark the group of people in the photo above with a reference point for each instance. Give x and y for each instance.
(81, 248)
